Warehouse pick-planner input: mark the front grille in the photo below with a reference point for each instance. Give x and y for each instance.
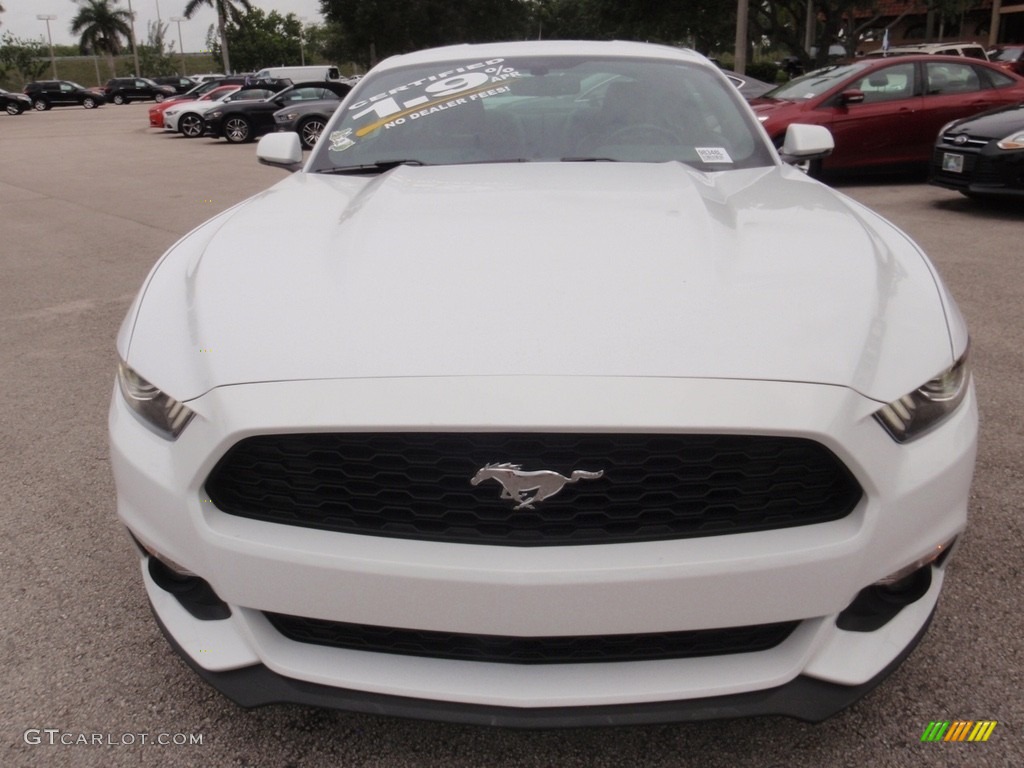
(532, 650)
(417, 485)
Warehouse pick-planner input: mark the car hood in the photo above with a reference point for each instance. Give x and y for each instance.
(552, 269)
(768, 106)
(996, 124)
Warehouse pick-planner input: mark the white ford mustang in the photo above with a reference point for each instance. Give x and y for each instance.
(560, 400)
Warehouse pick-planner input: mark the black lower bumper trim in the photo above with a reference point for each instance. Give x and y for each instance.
(803, 698)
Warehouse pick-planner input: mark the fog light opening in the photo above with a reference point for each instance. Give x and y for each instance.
(937, 557)
(193, 593)
(174, 569)
(876, 605)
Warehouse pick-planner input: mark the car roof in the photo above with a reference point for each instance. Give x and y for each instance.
(545, 48)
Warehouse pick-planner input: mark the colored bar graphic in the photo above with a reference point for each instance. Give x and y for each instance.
(982, 730)
(959, 730)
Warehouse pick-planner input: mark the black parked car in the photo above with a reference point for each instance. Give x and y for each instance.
(123, 90)
(178, 83)
(306, 118)
(14, 103)
(62, 93)
(983, 155)
(244, 121)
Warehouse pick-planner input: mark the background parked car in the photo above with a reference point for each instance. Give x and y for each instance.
(178, 83)
(187, 117)
(885, 112)
(14, 103)
(213, 93)
(62, 93)
(1009, 57)
(749, 87)
(123, 90)
(982, 156)
(306, 118)
(244, 121)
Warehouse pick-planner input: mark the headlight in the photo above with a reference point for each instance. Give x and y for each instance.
(1013, 141)
(215, 114)
(287, 118)
(171, 112)
(157, 409)
(926, 407)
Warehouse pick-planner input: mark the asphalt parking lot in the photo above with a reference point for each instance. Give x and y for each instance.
(89, 200)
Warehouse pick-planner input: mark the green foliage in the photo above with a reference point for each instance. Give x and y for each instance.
(262, 39)
(102, 29)
(23, 60)
(365, 31)
(155, 54)
(763, 70)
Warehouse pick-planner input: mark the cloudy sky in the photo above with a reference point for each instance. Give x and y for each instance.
(20, 18)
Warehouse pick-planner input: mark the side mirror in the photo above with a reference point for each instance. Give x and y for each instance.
(282, 150)
(852, 96)
(806, 142)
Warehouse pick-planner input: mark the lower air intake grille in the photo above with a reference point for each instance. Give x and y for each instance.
(532, 650)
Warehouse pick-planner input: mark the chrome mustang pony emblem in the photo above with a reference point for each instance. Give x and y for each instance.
(517, 484)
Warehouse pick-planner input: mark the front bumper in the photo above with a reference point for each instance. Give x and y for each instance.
(988, 171)
(915, 498)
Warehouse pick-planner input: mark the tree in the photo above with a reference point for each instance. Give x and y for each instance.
(263, 40)
(28, 58)
(154, 54)
(102, 29)
(226, 10)
(783, 22)
(367, 30)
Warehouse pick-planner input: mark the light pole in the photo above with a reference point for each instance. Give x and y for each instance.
(48, 17)
(181, 45)
(302, 39)
(135, 51)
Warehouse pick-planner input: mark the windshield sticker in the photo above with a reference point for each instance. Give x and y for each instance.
(432, 94)
(713, 154)
(340, 140)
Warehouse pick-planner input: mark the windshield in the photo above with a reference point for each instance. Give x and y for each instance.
(1007, 54)
(815, 83)
(571, 109)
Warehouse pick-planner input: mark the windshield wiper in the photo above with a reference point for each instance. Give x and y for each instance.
(585, 159)
(379, 167)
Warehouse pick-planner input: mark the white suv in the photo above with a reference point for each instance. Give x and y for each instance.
(970, 50)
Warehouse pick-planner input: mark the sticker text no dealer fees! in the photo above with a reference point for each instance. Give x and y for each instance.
(469, 82)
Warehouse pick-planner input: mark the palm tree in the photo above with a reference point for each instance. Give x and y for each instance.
(102, 29)
(225, 9)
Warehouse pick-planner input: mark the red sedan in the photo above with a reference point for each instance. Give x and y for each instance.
(156, 112)
(887, 111)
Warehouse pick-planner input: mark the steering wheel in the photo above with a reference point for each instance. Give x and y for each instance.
(643, 133)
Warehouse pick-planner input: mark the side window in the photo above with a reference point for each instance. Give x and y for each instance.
(943, 78)
(992, 79)
(65, 88)
(888, 84)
